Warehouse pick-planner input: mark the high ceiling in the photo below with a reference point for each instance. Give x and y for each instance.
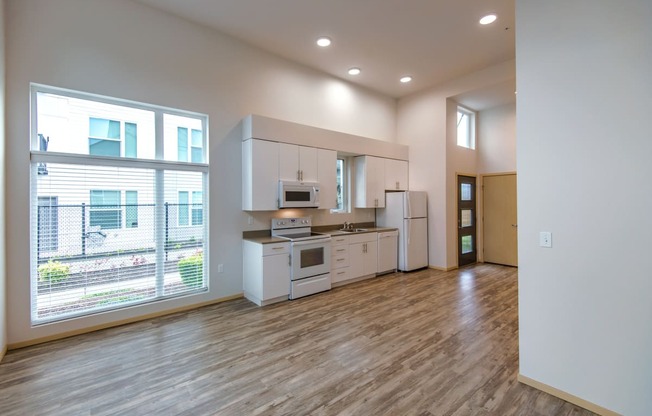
(432, 40)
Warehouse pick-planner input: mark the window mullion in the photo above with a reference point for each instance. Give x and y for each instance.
(159, 187)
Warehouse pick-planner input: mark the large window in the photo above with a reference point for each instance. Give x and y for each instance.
(465, 128)
(124, 224)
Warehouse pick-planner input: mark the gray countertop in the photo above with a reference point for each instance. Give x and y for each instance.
(265, 237)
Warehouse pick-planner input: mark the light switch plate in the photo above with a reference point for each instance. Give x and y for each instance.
(545, 239)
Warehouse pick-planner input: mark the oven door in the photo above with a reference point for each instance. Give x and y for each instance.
(311, 258)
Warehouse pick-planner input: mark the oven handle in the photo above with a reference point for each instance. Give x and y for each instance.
(311, 242)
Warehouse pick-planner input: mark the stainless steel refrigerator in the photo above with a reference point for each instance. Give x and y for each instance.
(407, 211)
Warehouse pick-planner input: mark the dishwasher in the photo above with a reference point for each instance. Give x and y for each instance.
(387, 251)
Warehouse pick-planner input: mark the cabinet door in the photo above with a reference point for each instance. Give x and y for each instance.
(276, 276)
(327, 178)
(396, 175)
(370, 258)
(356, 260)
(288, 162)
(370, 182)
(308, 164)
(259, 175)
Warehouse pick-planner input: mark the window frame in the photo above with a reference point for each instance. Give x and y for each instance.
(159, 164)
(469, 141)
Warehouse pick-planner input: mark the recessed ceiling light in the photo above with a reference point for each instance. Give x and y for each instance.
(354, 71)
(490, 18)
(323, 41)
(406, 79)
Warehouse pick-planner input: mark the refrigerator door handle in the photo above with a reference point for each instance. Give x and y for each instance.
(407, 232)
(409, 210)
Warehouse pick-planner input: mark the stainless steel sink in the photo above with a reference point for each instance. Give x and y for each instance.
(354, 230)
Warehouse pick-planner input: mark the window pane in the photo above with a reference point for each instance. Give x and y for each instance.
(104, 147)
(340, 185)
(465, 192)
(467, 244)
(131, 143)
(131, 209)
(183, 208)
(467, 218)
(197, 155)
(87, 127)
(463, 130)
(182, 144)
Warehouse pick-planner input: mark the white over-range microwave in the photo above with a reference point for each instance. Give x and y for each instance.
(298, 194)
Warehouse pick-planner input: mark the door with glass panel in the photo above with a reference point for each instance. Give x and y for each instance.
(466, 219)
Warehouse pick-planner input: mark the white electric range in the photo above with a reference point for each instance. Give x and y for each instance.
(310, 255)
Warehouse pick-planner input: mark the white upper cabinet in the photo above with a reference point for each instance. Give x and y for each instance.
(260, 169)
(369, 182)
(396, 175)
(327, 178)
(297, 163)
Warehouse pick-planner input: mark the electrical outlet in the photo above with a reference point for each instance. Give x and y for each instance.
(250, 220)
(545, 239)
(220, 268)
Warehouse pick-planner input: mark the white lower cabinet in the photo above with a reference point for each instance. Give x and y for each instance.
(266, 272)
(363, 255)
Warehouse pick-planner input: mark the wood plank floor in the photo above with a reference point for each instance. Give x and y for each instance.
(423, 343)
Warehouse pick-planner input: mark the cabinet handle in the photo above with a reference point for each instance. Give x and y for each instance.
(278, 248)
(289, 260)
(340, 273)
(364, 247)
(397, 185)
(339, 260)
(341, 250)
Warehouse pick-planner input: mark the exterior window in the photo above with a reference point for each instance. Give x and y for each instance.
(197, 208)
(190, 213)
(106, 211)
(194, 147)
(182, 144)
(123, 225)
(131, 209)
(465, 128)
(104, 138)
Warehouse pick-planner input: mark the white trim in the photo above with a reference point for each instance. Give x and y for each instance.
(91, 160)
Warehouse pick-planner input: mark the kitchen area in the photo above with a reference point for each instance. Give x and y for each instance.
(300, 244)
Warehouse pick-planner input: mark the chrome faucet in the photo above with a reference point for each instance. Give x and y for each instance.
(345, 226)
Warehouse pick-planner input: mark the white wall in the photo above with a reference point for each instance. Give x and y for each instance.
(423, 121)
(497, 139)
(584, 148)
(123, 49)
(3, 275)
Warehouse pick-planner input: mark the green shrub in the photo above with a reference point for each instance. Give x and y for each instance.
(53, 271)
(192, 270)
